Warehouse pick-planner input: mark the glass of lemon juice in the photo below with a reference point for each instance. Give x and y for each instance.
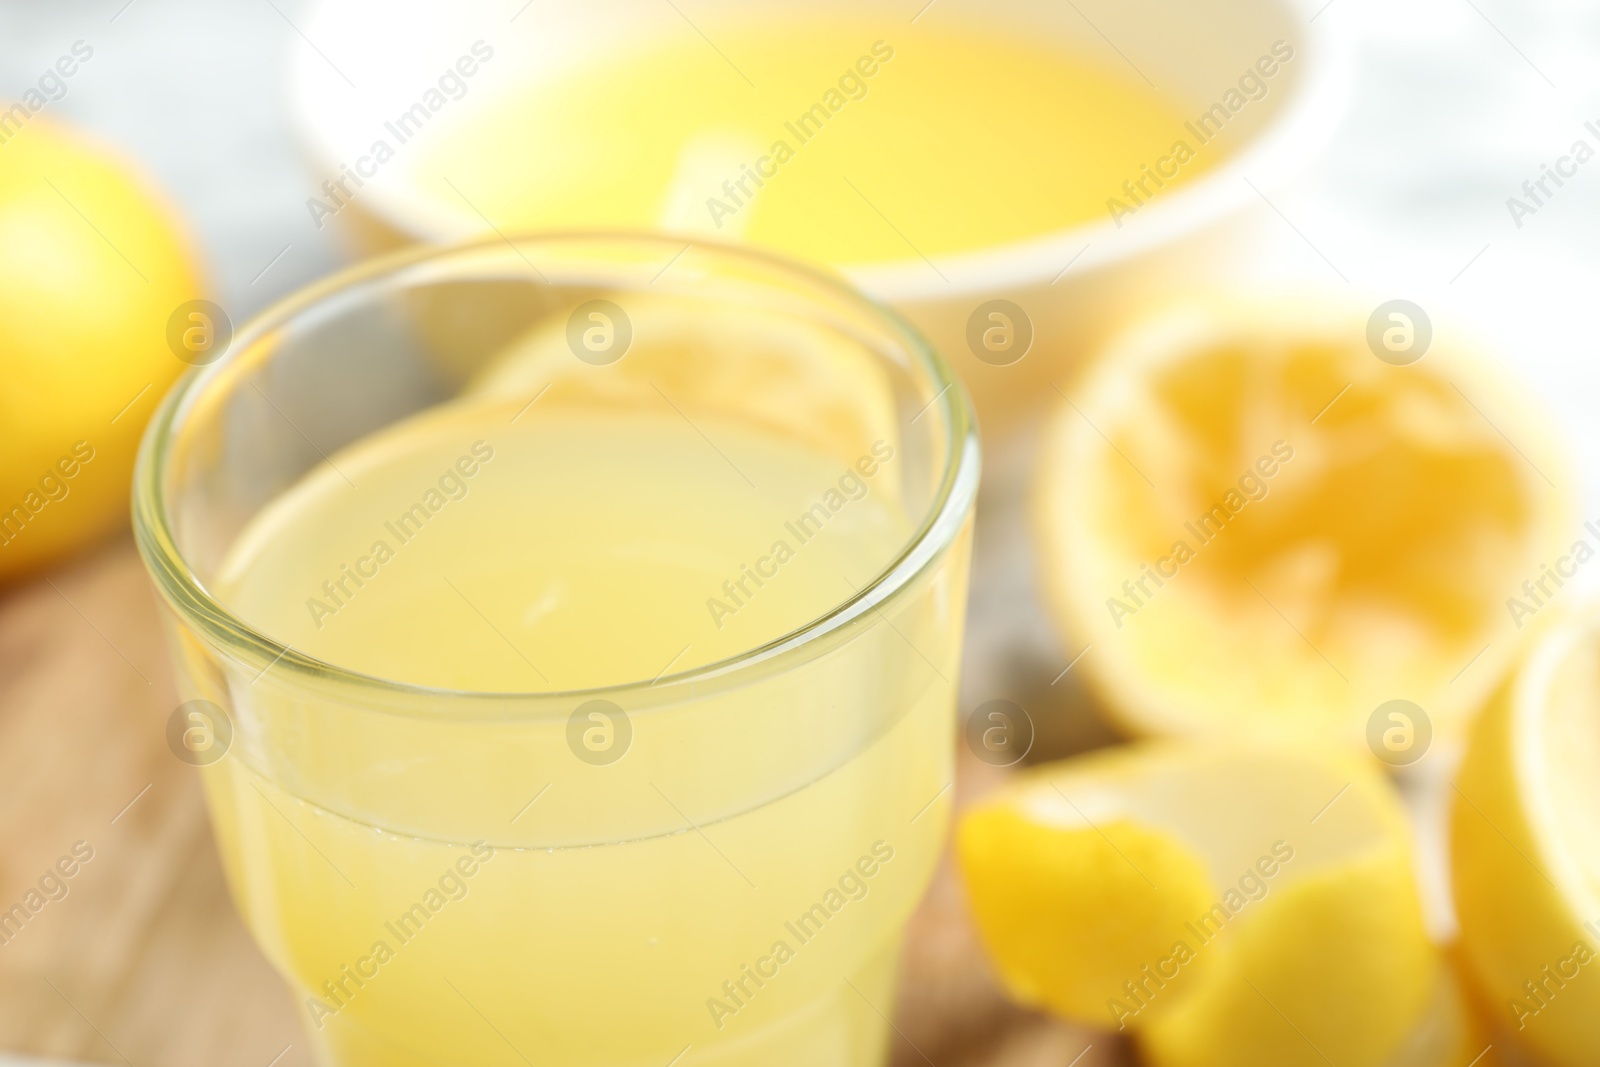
(573, 623)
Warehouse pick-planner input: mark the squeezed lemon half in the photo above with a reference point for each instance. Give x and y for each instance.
(1526, 847)
(762, 366)
(1452, 1031)
(1260, 528)
(1227, 905)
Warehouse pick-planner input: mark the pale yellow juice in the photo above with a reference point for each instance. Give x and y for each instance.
(489, 889)
(837, 141)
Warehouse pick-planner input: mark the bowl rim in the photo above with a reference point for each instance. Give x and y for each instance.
(1275, 153)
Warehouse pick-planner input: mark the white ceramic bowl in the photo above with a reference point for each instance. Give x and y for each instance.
(363, 62)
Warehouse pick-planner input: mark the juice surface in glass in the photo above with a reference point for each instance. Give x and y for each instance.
(563, 551)
(569, 753)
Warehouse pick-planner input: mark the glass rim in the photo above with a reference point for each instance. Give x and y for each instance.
(187, 594)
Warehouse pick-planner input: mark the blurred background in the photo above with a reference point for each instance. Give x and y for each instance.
(1448, 107)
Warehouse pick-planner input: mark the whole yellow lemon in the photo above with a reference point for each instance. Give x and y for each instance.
(93, 267)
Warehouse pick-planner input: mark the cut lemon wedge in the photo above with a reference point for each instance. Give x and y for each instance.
(1262, 529)
(1228, 906)
(1526, 847)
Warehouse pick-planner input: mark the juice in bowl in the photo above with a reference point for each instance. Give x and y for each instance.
(1068, 159)
(586, 697)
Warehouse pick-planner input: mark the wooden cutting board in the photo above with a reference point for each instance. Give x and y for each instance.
(144, 961)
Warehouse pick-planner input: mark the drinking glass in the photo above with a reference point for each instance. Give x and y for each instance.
(533, 854)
